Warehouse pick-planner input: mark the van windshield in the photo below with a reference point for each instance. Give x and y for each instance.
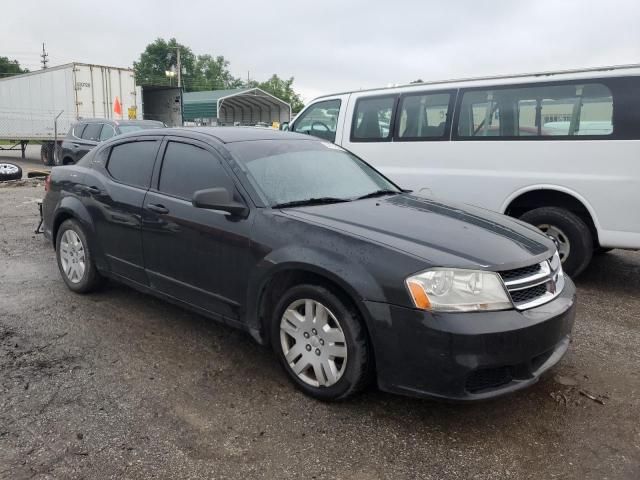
(296, 171)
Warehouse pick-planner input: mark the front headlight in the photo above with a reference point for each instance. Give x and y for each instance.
(456, 290)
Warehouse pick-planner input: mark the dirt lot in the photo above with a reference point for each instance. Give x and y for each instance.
(119, 385)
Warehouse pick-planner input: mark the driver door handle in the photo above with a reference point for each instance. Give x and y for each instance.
(157, 208)
(93, 190)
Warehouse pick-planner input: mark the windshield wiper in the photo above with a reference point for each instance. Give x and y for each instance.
(310, 201)
(378, 193)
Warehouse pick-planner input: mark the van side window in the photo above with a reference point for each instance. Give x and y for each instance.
(372, 119)
(566, 110)
(423, 116)
(319, 120)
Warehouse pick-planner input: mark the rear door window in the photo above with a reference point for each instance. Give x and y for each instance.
(92, 132)
(319, 120)
(187, 168)
(372, 119)
(566, 110)
(423, 116)
(132, 162)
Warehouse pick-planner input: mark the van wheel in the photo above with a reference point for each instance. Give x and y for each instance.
(46, 154)
(572, 235)
(75, 259)
(321, 343)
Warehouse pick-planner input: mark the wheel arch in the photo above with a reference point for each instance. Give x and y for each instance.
(534, 196)
(70, 208)
(285, 276)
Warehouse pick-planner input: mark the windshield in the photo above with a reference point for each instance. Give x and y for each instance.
(136, 128)
(300, 170)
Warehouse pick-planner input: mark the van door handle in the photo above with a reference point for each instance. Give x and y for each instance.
(157, 208)
(93, 190)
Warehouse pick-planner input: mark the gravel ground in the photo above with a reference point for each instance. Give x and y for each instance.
(117, 384)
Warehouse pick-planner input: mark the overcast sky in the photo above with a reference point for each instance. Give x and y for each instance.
(331, 46)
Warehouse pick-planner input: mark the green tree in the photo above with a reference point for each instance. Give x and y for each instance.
(212, 73)
(283, 89)
(10, 67)
(161, 56)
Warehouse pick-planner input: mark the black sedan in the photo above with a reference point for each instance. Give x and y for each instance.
(308, 248)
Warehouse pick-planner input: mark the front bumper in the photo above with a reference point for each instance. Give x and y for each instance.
(468, 356)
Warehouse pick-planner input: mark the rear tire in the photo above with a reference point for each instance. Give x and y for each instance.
(570, 231)
(75, 258)
(341, 333)
(46, 154)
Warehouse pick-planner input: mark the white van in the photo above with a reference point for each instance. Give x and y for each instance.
(558, 150)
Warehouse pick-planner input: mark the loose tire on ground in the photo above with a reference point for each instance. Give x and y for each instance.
(575, 231)
(46, 154)
(68, 252)
(357, 367)
(10, 171)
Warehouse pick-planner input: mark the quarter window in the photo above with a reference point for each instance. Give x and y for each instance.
(187, 169)
(319, 120)
(92, 132)
(372, 119)
(132, 163)
(423, 116)
(540, 111)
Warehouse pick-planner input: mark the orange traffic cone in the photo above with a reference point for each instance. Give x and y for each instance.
(117, 107)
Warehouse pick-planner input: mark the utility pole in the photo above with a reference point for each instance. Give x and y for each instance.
(179, 68)
(247, 78)
(44, 56)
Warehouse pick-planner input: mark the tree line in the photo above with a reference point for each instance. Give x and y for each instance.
(203, 72)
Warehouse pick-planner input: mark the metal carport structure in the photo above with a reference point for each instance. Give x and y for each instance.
(243, 106)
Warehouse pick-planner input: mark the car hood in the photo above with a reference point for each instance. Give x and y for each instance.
(442, 234)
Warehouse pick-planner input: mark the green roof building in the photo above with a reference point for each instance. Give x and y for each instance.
(242, 106)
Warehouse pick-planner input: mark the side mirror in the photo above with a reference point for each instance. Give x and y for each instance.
(284, 126)
(219, 199)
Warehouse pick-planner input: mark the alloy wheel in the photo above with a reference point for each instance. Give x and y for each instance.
(72, 256)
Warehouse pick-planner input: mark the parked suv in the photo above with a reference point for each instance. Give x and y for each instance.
(87, 133)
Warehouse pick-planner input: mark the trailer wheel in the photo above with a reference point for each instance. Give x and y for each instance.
(46, 153)
(10, 171)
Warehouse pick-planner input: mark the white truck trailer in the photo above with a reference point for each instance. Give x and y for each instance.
(41, 106)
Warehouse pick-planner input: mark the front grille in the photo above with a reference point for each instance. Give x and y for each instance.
(527, 295)
(533, 285)
(486, 378)
(519, 273)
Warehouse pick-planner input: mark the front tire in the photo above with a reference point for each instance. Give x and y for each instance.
(75, 259)
(321, 343)
(571, 233)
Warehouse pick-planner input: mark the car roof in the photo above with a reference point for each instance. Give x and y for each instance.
(112, 121)
(231, 134)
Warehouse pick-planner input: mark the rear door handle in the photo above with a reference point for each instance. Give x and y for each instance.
(93, 190)
(157, 208)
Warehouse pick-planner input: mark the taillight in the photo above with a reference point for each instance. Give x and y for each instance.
(47, 183)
